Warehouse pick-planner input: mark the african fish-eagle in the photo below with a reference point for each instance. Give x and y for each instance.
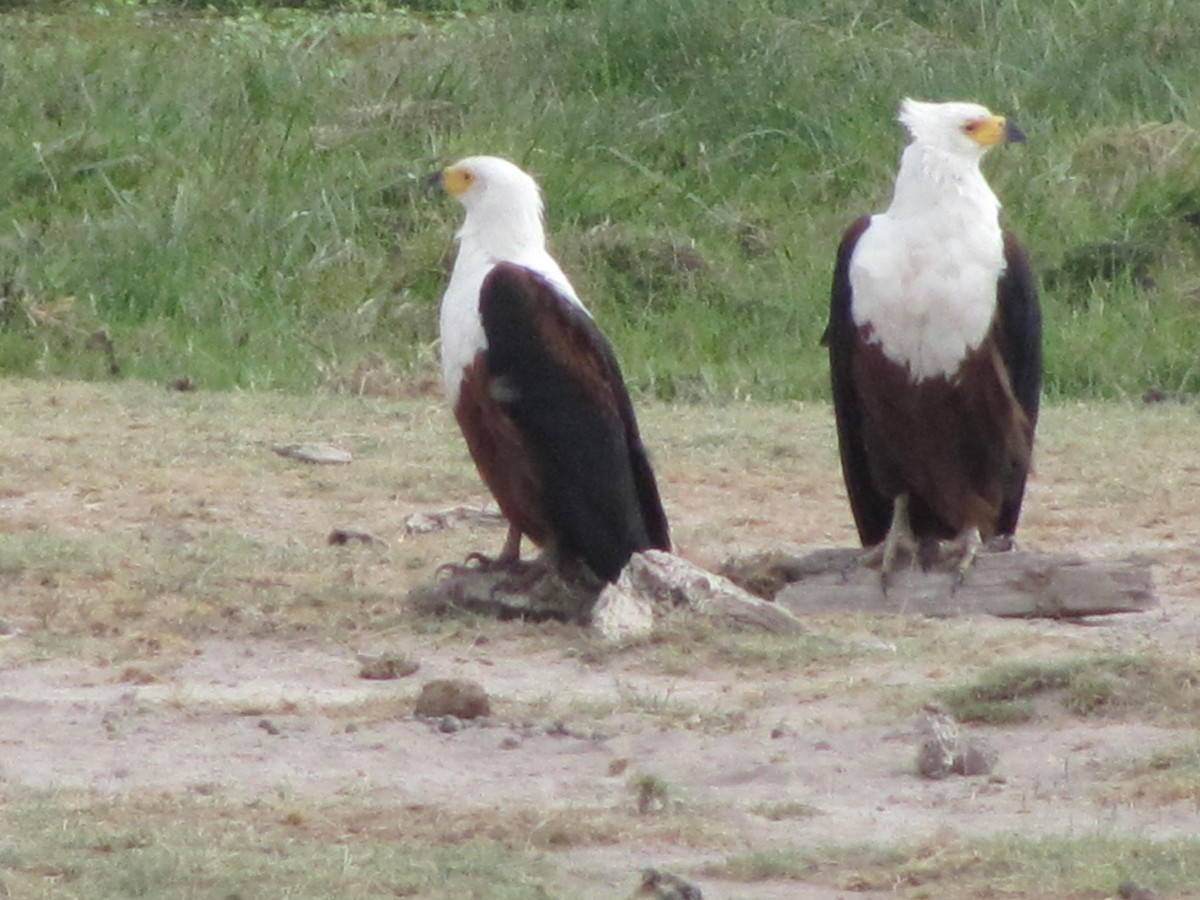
(535, 386)
(935, 349)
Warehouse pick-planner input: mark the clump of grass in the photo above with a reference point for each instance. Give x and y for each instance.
(666, 709)
(170, 847)
(58, 844)
(771, 865)
(1006, 865)
(1167, 776)
(784, 810)
(651, 793)
(1085, 686)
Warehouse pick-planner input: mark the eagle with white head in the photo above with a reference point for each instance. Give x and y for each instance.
(535, 386)
(934, 345)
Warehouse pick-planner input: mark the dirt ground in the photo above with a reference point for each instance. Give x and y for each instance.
(122, 669)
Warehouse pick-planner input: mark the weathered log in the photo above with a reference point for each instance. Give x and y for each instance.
(652, 585)
(1015, 583)
(520, 590)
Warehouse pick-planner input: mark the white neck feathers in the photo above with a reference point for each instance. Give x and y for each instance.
(924, 274)
(937, 180)
(503, 231)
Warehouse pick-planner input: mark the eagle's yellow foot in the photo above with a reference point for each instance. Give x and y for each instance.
(509, 557)
(960, 553)
(513, 576)
(900, 543)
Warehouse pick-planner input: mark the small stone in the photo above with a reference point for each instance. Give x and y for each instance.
(317, 454)
(386, 666)
(665, 886)
(1131, 890)
(512, 742)
(450, 725)
(458, 697)
(946, 751)
(342, 537)
(268, 726)
(976, 759)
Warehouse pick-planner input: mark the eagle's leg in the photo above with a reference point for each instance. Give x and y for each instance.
(900, 539)
(961, 552)
(509, 556)
(511, 551)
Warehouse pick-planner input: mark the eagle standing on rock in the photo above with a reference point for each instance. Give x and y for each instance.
(935, 350)
(535, 386)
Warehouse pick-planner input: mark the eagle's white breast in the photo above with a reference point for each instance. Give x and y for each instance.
(924, 274)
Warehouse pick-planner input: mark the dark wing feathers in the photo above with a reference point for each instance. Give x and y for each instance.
(1019, 332)
(1020, 337)
(558, 379)
(872, 510)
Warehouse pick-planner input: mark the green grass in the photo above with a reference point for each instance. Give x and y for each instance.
(238, 199)
(1170, 775)
(208, 843)
(1081, 868)
(1084, 686)
(171, 847)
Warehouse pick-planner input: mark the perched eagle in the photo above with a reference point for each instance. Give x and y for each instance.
(535, 386)
(935, 349)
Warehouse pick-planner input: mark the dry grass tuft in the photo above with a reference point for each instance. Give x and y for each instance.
(1168, 776)
(1085, 686)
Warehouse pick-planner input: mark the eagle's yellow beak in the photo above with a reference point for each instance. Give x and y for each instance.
(453, 180)
(992, 130)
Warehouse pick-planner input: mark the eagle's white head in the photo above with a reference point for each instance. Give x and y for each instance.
(966, 130)
(503, 204)
(939, 169)
(503, 224)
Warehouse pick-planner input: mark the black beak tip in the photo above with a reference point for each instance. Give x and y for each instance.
(1013, 133)
(434, 181)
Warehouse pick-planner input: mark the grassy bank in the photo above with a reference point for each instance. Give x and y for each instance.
(239, 198)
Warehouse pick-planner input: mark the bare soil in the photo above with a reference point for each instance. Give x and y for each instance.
(123, 670)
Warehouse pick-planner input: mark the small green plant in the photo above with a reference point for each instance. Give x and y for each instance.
(651, 793)
(1085, 686)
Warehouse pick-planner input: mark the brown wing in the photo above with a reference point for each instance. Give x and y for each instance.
(1019, 336)
(960, 450)
(872, 510)
(553, 374)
